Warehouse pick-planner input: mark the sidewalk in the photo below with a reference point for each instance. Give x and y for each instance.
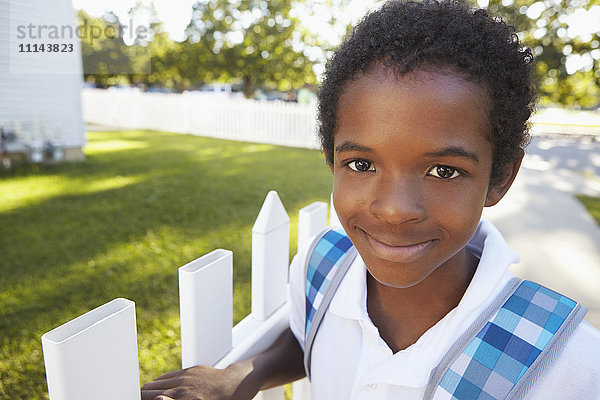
(558, 241)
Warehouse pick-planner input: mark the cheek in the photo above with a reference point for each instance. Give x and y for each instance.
(455, 197)
(348, 197)
(340, 196)
(459, 207)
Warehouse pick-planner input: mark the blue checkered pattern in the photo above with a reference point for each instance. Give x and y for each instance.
(494, 361)
(326, 257)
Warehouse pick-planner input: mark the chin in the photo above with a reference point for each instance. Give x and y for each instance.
(390, 276)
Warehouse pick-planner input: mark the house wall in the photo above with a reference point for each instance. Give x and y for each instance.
(40, 91)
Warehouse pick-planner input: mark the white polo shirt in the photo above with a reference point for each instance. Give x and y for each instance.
(350, 361)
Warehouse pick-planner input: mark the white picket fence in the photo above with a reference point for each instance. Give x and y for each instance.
(95, 357)
(273, 122)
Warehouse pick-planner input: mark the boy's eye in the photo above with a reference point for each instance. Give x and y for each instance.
(361, 165)
(444, 172)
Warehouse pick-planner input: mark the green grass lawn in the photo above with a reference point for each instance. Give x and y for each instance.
(119, 224)
(593, 206)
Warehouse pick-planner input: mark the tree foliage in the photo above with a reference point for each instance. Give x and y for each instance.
(252, 41)
(567, 57)
(255, 43)
(262, 44)
(166, 64)
(106, 60)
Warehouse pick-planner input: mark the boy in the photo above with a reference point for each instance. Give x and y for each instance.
(423, 121)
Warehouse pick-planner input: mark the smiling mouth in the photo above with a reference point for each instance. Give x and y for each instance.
(404, 253)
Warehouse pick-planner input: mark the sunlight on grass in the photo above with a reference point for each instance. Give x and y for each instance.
(116, 182)
(24, 190)
(256, 148)
(129, 140)
(113, 145)
(29, 191)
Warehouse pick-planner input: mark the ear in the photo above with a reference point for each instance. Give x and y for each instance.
(498, 189)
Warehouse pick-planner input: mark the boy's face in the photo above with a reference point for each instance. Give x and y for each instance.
(411, 171)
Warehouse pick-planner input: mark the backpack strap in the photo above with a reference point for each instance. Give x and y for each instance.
(330, 256)
(505, 357)
(499, 357)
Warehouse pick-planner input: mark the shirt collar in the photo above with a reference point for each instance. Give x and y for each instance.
(487, 244)
(350, 302)
(495, 256)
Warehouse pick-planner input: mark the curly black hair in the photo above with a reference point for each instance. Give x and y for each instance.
(437, 35)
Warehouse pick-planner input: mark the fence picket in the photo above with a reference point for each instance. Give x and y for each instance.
(312, 219)
(99, 346)
(206, 308)
(270, 257)
(276, 393)
(301, 389)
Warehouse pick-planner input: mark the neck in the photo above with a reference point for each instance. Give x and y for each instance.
(403, 315)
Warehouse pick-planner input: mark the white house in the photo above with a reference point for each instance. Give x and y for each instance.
(41, 76)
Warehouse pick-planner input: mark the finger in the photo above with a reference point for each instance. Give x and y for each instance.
(154, 395)
(171, 374)
(162, 384)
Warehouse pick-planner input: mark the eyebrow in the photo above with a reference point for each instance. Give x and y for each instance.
(455, 151)
(351, 146)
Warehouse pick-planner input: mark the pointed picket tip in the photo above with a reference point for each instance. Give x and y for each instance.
(272, 214)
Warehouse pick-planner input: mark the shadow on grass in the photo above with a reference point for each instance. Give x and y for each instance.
(66, 253)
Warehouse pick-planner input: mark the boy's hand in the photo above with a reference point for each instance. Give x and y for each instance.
(281, 363)
(203, 383)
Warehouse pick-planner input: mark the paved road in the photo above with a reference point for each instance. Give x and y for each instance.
(558, 241)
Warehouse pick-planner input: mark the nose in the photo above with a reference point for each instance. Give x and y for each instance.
(398, 200)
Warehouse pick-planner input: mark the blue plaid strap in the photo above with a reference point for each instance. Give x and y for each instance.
(330, 256)
(500, 355)
(507, 355)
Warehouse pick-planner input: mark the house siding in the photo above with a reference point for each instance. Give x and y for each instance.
(49, 93)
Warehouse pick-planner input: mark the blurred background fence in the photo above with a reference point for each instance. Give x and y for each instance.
(273, 122)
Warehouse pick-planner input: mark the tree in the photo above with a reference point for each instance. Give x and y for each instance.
(567, 64)
(164, 62)
(253, 41)
(567, 59)
(105, 58)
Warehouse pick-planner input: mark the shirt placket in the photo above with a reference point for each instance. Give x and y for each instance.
(373, 351)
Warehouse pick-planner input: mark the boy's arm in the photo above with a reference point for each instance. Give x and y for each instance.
(279, 364)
